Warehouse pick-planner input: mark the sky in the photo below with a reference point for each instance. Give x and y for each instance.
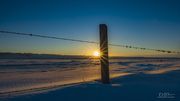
(143, 23)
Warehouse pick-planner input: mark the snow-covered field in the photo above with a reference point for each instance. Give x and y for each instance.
(35, 75)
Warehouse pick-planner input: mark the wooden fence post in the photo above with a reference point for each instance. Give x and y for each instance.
(104, 59)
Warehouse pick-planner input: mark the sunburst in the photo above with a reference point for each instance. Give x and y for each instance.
(96, 54)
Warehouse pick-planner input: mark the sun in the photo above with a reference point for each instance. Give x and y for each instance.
(96, 54)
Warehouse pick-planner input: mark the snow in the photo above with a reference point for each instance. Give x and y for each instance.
(133, 79)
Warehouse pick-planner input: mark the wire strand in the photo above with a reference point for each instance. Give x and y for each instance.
(44, 36)
(86, 41)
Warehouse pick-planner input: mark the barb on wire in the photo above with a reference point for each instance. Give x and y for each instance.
(85, 41)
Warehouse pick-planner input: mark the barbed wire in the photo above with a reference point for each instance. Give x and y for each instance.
(86, 41)
(44, 36)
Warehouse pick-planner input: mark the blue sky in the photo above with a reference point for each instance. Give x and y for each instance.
(145, 23)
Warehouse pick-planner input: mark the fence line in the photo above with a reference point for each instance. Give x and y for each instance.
(86, 41)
